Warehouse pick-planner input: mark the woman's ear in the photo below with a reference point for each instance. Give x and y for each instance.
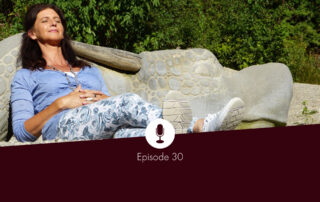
(32, 35)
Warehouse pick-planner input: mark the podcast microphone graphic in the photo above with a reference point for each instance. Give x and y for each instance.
(160, 132)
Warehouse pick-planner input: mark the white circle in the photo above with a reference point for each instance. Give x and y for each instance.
(160, 141)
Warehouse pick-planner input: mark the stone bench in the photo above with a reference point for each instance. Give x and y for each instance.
(194, 75)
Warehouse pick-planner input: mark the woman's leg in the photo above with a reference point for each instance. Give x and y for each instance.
(129, 132)
(196, 125)
(102, 119)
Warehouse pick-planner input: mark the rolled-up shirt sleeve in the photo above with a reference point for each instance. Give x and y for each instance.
(22, 107)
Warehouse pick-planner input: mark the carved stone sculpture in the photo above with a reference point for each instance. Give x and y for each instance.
(193, 74)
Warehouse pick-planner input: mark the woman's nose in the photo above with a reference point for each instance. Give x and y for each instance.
(53, 23)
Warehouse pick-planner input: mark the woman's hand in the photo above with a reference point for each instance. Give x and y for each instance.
(91, 96)
(77, 98)
(72, 100)
(80, 97)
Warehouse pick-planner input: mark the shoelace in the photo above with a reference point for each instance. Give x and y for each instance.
(211, 122)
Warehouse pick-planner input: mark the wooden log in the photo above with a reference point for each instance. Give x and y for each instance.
(118, 59)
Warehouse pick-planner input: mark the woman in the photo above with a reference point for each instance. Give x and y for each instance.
(58, 96)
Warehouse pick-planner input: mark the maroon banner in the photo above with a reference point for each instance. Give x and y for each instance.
(249, 164)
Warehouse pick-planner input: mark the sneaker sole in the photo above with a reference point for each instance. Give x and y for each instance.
(233, 114)
(178, 113)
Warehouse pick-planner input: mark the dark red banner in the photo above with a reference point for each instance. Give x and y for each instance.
(250, 164)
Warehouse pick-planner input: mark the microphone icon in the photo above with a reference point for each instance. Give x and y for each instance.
(160, 132)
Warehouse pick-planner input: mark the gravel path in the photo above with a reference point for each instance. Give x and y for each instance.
(311, 95)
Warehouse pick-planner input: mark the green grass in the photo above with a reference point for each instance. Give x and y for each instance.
(307, 114)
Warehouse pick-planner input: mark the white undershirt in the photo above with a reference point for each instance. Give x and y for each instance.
(71, 74)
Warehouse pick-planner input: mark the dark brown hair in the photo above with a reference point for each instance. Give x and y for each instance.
(30, 53)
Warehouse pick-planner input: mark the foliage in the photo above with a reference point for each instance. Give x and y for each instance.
(115, 23)
(240, 33)
(306, 111)
(307, 114)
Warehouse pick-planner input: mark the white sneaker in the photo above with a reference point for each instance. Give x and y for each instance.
(226, 119)
(178, 113)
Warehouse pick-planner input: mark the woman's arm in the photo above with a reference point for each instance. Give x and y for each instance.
(74, 99)
(27, 126)
(35, 124)
(21, 105)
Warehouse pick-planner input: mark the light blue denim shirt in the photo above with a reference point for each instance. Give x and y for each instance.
(33, 91)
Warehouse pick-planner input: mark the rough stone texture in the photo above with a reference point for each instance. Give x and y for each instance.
(266, 90)
(309, 93)
(178, 70)
(195, 73)
(267, 94)
(8, 54)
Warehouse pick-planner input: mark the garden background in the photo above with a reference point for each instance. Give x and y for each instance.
(239, 32)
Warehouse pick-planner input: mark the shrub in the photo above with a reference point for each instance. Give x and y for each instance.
(240, 33)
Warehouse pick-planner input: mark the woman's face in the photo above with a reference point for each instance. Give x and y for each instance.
(47, 27)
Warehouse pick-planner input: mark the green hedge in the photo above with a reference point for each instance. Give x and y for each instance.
(239, 32)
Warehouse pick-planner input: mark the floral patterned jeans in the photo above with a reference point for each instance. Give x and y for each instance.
(125, 115)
